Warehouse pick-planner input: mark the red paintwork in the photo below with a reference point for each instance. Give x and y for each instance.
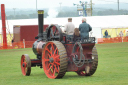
(35, 61)
(23, 69)
(3, 26)
(87, 50)
(51, 69)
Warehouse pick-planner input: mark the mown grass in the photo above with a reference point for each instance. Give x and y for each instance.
(112, 68)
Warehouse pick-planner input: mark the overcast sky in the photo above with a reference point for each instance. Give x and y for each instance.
(50, 3)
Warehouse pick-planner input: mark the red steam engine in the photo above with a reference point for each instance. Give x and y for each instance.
(57, 55)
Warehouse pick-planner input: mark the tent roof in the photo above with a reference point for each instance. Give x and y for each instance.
(118, 21)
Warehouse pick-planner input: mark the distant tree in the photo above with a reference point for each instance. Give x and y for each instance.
(34, 15)
(10, 17)
(22, 16)
(17, 17)
(64, 12)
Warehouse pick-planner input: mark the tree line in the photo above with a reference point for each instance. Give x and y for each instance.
(72, 12)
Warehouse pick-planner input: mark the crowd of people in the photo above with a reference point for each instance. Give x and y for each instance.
(82, 31)
(121, 34)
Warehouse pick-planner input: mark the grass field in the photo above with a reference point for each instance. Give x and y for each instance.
(112, 68)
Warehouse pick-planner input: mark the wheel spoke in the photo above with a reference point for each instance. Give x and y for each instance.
(49, 64)
(56, 69)
(49, 69)
(54, 32)
(57, 57)
(52, 68)
(57, 63)
(54, 73)
(58, 60)
(48, 50)
(52, 47)
(46, 60)
(55, 51)
(49, 56)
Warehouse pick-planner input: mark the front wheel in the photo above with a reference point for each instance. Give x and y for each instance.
(25, 65)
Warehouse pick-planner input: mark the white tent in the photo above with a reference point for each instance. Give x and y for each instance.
(97, 22)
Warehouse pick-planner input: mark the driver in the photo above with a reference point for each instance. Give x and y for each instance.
(69, 28)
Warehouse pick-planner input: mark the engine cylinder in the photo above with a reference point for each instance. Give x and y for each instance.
(37, 47)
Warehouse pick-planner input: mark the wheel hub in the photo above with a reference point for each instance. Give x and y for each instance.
(23, 65)
(51, 60)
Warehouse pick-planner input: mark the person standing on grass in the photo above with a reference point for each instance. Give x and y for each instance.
(106, 34)
(121, 34)
(127, 33)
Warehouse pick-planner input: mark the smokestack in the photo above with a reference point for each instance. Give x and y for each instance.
(40, 23)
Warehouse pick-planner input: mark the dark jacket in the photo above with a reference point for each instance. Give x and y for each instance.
(106, 33)
(84, 29)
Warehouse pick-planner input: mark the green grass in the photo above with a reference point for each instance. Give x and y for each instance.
(112, 68)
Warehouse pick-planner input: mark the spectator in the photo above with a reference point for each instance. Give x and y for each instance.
(127, 33)
(12, 40)
(69, 28)
(121, 34)
(106, 34)
(84, 29)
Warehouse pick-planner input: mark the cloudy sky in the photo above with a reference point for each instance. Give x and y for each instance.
(51, 3)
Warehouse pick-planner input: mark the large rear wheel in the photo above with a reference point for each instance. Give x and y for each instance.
(94, 65)
(25, 65)
(54, 59)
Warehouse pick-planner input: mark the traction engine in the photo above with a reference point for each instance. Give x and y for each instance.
(57, 54)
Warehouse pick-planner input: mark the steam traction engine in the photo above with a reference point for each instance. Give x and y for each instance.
(57, 55)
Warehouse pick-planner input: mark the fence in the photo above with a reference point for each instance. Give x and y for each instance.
(17, 45)
(28, 44)
(112, 40)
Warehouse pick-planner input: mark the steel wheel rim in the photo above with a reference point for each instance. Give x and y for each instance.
(51, 60)
(23, 65)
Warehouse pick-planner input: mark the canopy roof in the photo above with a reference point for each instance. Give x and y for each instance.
(119, 21)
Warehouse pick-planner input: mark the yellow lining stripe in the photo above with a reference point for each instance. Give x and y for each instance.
(40, 12)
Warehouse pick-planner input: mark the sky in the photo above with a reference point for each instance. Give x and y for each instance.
(23, 4)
